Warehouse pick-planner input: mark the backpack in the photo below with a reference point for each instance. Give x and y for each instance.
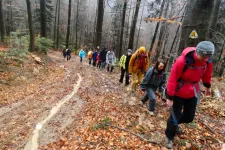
(189, 59)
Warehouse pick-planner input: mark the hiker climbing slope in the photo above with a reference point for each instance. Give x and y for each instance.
(194, 64)
(124, 62)
(154, 78)
(138, 66)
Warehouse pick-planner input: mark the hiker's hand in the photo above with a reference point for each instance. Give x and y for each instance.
(169, 103)
(208, 91)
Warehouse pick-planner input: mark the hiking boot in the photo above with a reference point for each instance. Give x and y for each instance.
(142, 103)
(133, 93)
(179, 131)
(152, 113)
(169, 143)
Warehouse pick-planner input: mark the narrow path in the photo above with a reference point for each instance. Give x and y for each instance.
(33, 143)
(46, 113)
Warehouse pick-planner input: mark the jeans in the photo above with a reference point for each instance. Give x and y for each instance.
(102, 65)
(150, 94)
(123, 71)
(81, 59)
(184, 110)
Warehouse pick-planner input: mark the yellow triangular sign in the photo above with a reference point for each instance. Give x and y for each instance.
(193, 35)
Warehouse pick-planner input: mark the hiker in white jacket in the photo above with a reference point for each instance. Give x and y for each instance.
(110, 60)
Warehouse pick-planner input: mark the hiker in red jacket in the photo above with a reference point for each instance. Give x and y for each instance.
(193, 65)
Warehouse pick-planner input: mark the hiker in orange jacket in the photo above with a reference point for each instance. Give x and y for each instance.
(90, 56)
(138, 66)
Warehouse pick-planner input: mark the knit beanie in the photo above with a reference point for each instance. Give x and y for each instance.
(130, 51)
(205, 48)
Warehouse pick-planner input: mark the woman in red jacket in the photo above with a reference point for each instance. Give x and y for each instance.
(193, 65)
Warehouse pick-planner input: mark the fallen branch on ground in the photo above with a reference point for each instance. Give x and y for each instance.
(147, 140)
(206, 126)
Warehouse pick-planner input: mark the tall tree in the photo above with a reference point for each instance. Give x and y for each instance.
(57, 40)
(99, 22)
(2, 23)
(156, 29)
(133, 26)
(30, 23)
(215, 14)
(56, 10)
(161, 35)
(77, 16)
(139, 28)
(43, 17)
(68, 26)
(197, 18)
(122, 27)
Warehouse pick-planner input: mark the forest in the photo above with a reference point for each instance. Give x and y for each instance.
(47, 102)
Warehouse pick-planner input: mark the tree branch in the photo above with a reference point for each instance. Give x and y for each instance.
(137, 135)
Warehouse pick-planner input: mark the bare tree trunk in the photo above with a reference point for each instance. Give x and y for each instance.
(122, 28)
(68, 26)
(133, 26)
(95, 24)
(56, 10)
(139, 29)
(30, 22)
(128, 23)
(215, 15)
(57, 41)
(43, 17)
(161, 36)
(2, 23)
(156, 29)
(197, 18)
(77, 17)
(99, 22)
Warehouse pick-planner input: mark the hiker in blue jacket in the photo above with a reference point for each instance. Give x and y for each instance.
(154, 78)
(82, 54)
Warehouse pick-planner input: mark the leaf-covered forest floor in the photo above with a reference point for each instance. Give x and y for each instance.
(101, 115)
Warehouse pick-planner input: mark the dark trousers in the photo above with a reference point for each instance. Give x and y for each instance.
(68, 57)
(184, 110)
(90, 61)
(81, 59)
(123, 72)
(94, 63)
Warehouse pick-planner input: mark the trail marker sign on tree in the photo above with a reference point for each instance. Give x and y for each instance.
(193, 34)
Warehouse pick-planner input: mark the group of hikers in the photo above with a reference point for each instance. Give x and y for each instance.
(100, 59)
(181, 88)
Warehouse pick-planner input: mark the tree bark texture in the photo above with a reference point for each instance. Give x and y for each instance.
(68, 25)
(161, 35)
(30, 23)
(133, 26)
(57, 40)
(43, 18)
(156, 29)
(77, 17)
(99, 22)
(122, 28)
(2, 23)
(197, 18)
(215, 15)
(55, 24)
(139, 28)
